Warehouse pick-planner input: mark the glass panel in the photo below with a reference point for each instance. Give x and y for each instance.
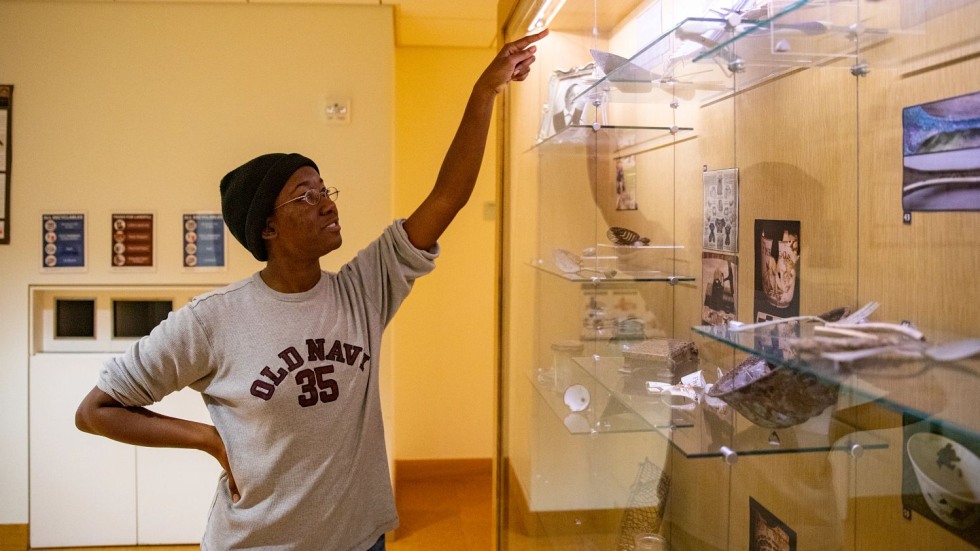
(608, 248)
(792, 501)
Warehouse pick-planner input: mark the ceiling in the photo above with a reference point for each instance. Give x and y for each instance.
(474, 23)
(455, 23)
(464, 23)
(446, 23)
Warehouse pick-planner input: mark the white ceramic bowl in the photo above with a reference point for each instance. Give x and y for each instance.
(949, 476)
(577, 398)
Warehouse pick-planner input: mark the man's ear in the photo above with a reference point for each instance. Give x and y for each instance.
(269, 231)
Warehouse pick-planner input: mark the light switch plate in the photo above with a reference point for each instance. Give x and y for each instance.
(337, 110)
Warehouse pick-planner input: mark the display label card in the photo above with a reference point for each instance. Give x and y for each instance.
(63, 241)
(204, 241)
(132, 240)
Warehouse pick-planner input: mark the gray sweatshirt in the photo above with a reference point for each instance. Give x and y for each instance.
(291, 383)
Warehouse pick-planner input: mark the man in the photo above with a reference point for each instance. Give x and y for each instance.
(287, 360)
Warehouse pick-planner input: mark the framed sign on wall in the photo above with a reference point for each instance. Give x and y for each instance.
(133, 240)
(6, 101)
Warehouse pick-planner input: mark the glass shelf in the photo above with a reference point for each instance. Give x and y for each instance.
(607, 412)
(710, 435)
(609, 275)
(697, 430)
(661, 71)
(939, 391)
(794, 34)
(624, 136)
(632, 393)
(703, 58)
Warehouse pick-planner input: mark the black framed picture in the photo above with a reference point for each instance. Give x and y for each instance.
(767, 532)
(6, 105)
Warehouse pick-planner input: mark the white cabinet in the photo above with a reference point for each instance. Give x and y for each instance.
(87, 490)
(175, 488)
(83, 488)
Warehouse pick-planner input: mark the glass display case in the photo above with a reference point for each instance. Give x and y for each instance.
(723, 311)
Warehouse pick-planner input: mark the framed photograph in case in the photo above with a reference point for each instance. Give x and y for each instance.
(767, 532)
(720, 210)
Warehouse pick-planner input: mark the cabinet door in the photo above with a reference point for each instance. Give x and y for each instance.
(176, 487)
(83, 487)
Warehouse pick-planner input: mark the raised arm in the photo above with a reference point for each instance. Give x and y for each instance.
(460, 168)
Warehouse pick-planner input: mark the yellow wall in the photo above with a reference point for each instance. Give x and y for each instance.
(444, 342)
(144, 106)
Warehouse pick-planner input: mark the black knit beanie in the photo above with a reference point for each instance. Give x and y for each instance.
(249, 193)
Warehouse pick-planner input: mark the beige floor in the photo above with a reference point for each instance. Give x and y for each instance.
(444, 513)
(451, 513)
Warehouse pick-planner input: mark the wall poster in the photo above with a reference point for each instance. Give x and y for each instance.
(626, 183)
(6, 102)
(777, 269)
(767, 532)
(132, 241)
(719, 272)
(203, 241)
(720, 210)
(63, 240)
(941, 155)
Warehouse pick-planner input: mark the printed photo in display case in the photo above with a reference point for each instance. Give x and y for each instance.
(720, 210)
(767, 532)
(626, 183)
(719, 273)
(566, 106)
(941, 155)
(941, 476)
(777, 269)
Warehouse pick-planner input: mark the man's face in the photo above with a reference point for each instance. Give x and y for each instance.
(300, 230)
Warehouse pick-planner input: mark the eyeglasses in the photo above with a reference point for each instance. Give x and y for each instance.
(313, 197)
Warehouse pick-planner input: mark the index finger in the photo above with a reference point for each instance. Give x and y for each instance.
(530, 39)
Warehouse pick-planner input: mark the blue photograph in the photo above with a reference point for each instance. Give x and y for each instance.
(941, 150)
